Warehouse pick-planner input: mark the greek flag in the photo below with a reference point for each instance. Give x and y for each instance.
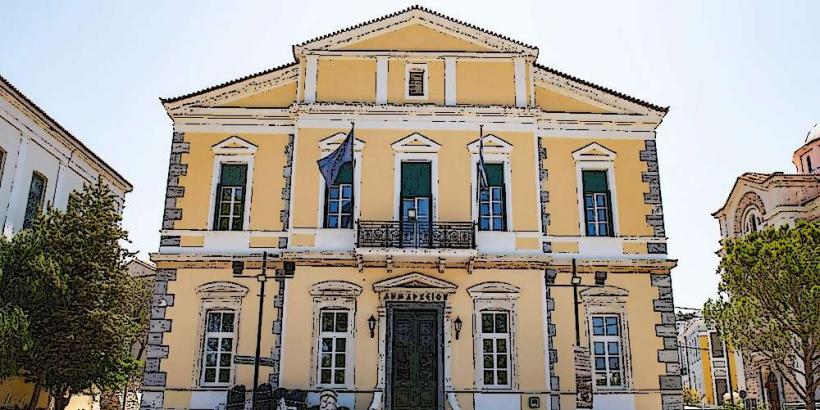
(330, 165)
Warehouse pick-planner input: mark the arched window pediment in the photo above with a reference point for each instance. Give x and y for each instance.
(335, 288)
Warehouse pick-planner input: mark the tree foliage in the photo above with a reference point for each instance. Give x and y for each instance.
(66, 275)
(769, 301)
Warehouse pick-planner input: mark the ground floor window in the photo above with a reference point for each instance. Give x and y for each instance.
(334, 344)
(495, 348)
(218, 347)
(607, 352)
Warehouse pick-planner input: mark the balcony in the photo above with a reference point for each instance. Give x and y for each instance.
(415, 234)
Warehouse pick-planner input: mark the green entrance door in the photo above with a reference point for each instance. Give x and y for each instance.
(414, 358)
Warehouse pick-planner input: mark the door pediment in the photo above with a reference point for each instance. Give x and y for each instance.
(414, 281)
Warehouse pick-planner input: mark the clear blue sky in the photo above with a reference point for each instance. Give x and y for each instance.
(742, 79)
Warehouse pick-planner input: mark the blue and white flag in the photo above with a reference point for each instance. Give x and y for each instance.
(331, 165)
(483, 183)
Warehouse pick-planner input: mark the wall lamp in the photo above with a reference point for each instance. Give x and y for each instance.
(371, 324)
(458, 324)
(600, 278)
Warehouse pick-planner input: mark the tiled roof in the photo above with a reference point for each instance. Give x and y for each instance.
(424, 9)
(39, 111)
(604, 89)
(227, 83)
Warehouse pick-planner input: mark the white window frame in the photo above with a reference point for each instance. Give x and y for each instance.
(606, 339)
(217, 296)
(347, 336)
(415, 148)
(408, 67)
(219, 335)
(233, 150)
(334, 296)
(596, 157)
(495, 297)
(496, 151)
(495, 337)
(609, 301)
(327, 146)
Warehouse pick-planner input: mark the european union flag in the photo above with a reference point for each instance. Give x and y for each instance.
(330, 165)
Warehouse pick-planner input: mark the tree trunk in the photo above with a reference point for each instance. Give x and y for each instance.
(61, 399)
(35, 396)
(808, 366)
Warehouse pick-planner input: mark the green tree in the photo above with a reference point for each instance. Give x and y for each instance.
(769, 301)
(66, 273)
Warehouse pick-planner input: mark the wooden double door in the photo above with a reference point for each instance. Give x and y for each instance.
(415, 358)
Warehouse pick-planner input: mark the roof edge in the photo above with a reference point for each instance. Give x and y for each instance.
(634, 100)
(171, 100)
(37, 111)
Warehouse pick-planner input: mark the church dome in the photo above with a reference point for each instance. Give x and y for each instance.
(814, 134)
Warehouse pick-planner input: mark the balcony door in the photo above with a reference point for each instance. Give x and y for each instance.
(416, 206)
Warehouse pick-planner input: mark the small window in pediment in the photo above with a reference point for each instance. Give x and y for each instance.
(416, 81)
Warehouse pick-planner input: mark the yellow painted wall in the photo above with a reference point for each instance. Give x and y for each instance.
(346, 80)
(703, 344)
(185, 341)
(266, 190)
(563, 188)
(415, 37)
(485, 82)
(549, 100)
(396, 81)
(529, 340)
(640, 318)
(14, 391)
(281, 96)
(454, 202)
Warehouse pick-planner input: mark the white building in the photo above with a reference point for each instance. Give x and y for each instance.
(41, 163)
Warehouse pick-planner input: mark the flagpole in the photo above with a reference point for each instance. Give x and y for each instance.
(353, 216)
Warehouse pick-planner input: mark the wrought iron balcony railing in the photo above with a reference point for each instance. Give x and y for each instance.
(415, 234)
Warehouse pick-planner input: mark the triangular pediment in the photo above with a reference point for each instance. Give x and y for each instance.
(416, 29)
(594, 152)
(416, 142)
(233, 146)
(492, 144)
(332, 142)
(415, 281)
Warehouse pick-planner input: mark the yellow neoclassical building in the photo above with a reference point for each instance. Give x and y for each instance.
(497, 242)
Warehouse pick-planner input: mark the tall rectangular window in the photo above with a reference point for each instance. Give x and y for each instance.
(334, 344)
(492, 202)
(36, 194)
(495, 349)
(717, 345)
(218, 347)
(597, 203)
(339, 200)
(606, 351)
(230, 197)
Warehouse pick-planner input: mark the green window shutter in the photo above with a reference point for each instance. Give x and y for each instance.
(415, 179)
(495, 174)
(594, 181)
(345, 174)
(233, 174)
